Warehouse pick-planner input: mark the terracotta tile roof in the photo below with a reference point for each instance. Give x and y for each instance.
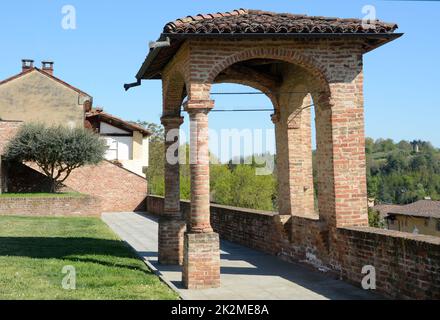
(423, 208)
(385, 209)
(255, 24)
(257, 21)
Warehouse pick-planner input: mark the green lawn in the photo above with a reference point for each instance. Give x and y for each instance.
(33, 252)
(40, 195)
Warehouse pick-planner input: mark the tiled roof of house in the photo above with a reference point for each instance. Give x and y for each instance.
(257, 21)
(422, 208)
(385, 209)
(111, 119)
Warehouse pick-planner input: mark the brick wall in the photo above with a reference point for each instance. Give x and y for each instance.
(51, 206)
(7, 131)
(118, 189)
(407, 266)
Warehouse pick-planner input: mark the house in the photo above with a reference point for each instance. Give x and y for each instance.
(128, 143)
(36, 95)
(421, 217)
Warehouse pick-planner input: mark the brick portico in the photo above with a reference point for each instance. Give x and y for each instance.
(296, 61)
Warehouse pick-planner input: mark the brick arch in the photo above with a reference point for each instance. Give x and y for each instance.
(287, 55)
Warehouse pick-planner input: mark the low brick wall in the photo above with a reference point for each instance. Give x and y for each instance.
(407, 266)
(51, 206)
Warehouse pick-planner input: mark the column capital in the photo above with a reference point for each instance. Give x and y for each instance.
(171, 121)
(198, 105)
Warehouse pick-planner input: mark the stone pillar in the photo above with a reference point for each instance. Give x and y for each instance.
(171, 224)
(201, 268)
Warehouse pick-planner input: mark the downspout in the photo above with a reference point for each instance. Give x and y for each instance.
(155, 47)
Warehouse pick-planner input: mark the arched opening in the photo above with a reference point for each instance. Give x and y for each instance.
(242, 145)
(289, 89)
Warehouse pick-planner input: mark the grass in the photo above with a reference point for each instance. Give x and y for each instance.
(33, 252)
(41, 195)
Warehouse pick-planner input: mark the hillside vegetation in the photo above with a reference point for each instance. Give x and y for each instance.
(399, 173)
(402, 172)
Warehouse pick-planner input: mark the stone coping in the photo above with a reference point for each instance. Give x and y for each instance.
(393, 234)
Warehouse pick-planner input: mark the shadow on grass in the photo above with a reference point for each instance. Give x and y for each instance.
(70, 249)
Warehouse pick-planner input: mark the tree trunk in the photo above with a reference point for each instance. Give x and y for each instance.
(53, 186)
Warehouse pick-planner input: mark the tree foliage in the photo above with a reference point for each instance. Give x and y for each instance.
(155, 170)
(56, 150)
(402, 172)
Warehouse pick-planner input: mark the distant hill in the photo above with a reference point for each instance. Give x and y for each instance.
(402, 172)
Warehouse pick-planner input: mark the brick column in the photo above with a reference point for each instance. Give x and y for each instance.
(294, 158)
(171, 224)
(282, 165)
(341, 156)
(201, 268)
(299, 137)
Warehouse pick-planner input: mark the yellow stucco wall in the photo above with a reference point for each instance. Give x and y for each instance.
(426, 226)
(36, 97)
(137, 145)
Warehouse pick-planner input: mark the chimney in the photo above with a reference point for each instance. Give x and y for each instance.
(26, 64)
(47, 66)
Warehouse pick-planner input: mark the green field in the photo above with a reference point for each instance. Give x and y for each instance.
(34, 251)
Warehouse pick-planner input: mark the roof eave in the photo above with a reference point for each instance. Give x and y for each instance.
(376, 40)
(150, 57)
(110, 118)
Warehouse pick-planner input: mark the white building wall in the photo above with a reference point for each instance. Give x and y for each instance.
(121, 149)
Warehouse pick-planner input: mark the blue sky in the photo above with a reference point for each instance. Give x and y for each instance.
(111, 41)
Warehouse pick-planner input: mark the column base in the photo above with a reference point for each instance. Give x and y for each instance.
(201, 266)
(171, 231)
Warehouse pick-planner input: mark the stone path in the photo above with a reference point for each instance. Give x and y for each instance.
(246, 274)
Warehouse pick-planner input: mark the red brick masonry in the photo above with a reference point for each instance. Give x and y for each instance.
(51, 206)
(118, 188)
(407, 266)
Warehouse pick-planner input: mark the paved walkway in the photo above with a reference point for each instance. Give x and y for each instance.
(246, 274)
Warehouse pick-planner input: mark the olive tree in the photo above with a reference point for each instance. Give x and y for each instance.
(56, 150)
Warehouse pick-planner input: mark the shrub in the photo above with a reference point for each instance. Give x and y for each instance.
(56, 150)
